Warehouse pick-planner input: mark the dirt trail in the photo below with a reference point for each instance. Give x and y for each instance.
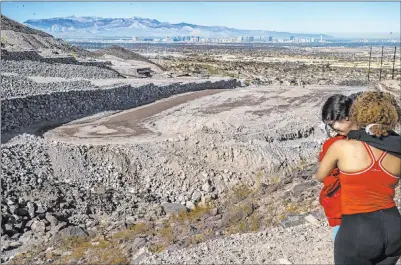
(130, 122)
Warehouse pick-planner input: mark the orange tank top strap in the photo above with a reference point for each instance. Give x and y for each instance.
(376, 163)
(380, 160)
(372, 158)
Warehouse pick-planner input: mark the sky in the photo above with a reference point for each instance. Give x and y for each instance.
(335, 18)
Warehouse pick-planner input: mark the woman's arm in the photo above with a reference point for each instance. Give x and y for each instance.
(329, 161)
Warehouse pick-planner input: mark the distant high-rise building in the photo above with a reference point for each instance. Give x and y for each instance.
(321, 38)
(250, 39)
(270, 38)
(292, 38)
(134, 39)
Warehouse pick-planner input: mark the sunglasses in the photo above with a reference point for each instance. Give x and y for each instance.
(330, 130)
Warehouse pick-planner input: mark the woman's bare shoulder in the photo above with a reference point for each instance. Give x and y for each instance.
(352, 142)
(346, 145)
(341, 143)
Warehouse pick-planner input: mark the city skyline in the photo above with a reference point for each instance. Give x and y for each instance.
(340, 19)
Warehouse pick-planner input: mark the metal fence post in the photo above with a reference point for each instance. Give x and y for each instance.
(395, 50)
(381, 64)
(370, 56)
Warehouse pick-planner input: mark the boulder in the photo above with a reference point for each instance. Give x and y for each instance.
(293, 220)
(71, 231)
(173, 208)
(38, 227)
(138, 243)
(196, 196)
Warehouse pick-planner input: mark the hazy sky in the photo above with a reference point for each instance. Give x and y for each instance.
(336, 18)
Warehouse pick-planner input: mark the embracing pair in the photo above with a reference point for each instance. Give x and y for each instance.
(360, 166)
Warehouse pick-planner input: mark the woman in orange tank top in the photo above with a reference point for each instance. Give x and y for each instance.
(370, 231)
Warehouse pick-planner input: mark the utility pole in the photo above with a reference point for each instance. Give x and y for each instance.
(381, 64)
(301, 81)
(370, 56)
(392, 74)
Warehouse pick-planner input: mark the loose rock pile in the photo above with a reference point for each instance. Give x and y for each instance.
(19, 86)
(34, 68)
(38, 204)
(41, 203)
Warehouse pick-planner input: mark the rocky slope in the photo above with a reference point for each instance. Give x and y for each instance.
(16, 36)
(194, 154)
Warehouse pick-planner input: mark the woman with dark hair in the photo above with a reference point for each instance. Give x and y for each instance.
(336, 108)
(370, 231)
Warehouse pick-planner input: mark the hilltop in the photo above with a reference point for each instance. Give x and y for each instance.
(18, 37)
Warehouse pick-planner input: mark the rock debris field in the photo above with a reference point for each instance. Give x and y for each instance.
(159, 170)
(181, 150)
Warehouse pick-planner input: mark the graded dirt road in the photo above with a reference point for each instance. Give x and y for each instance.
(129, 123)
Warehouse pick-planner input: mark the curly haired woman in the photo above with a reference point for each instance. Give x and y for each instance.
(370, 231)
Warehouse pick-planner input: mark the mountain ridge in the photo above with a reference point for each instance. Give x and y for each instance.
(94, 27)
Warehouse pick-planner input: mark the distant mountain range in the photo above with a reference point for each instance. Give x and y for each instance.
(98, 27)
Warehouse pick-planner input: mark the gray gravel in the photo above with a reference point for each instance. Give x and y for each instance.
(274, 246)
(33, 68)
(38, 203)
(18, 86)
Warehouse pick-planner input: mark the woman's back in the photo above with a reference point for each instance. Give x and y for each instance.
(368, 177)
(354, 157)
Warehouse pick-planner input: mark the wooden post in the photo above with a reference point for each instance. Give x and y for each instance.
(392, 74)
(370, 56)
(381, 64)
